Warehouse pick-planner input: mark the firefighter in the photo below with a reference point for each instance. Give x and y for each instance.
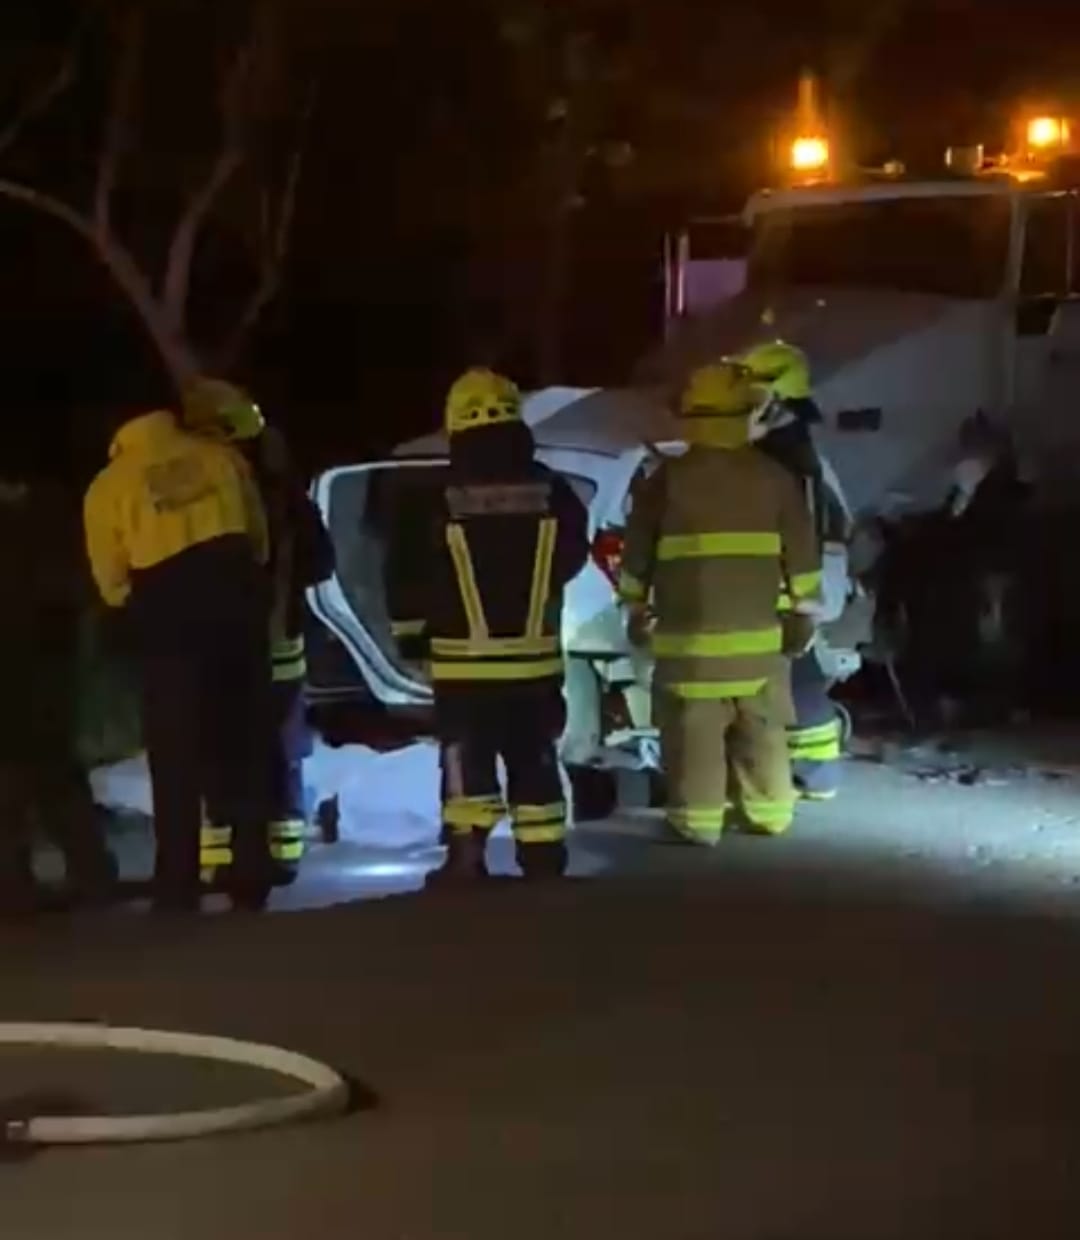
(176, 535)
(511, 536)
(301, 555)
(43, 784)
(815, 740)
(713, 538)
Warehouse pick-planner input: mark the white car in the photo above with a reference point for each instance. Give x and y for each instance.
(379, 513)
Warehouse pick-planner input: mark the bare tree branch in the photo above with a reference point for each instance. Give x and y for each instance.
(118, 121)
(276, 240)
(235, 108)
(39, 101)
(124, 270)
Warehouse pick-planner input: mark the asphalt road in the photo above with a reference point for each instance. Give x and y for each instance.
(867, 1031)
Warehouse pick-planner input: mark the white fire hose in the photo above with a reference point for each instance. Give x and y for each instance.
(327, 1094)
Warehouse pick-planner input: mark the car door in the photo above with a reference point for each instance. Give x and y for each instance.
(375, 513)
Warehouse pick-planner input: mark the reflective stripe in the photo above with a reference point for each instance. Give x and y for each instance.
(631, 590)
(294, 670)
(700, 546)
(281, 851)
(507, 647)
(525, 814)
(215, 849)
(288, 829)
(288, 659)
(816, 744)
(805, 584)
(288, 648)
(717, 690)
(775, 817)
(407, 628)
(553, 833)
(699, 818)
(539, 824)
(784, 603)
(540, 589)
(497, 671)
(708, 645)
(466, 579)
(473, 813)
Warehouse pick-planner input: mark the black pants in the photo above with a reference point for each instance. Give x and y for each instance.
(206, 712)
(43, 786)
(50, 794)
(521, 725)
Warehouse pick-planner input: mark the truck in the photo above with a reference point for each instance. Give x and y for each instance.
(941, 318)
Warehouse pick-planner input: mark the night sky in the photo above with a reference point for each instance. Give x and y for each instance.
(420, 229)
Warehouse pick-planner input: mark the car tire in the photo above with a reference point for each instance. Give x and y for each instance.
(595, 793)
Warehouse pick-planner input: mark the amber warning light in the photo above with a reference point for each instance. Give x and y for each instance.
(1047, 133)
(809, 155)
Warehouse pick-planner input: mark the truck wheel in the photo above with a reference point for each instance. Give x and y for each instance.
(595, 793)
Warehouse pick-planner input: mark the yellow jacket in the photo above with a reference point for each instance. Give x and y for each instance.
(163, 491)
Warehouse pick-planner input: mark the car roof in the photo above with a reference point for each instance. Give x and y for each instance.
(604, 421)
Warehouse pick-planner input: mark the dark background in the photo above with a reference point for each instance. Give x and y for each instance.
(423, 228)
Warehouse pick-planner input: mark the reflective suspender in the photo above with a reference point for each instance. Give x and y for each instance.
(530, 655)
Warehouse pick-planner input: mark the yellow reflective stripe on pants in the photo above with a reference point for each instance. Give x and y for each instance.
(698, 820)
(466, 580)
(701, 546)
(772, 817)
(718, 645)
(804, 585)
(492, 647)
(288, 659)
(784, 604)
(215, 847)
(287, 839)
(540, 589)
(817, 744)
(464, 814)
(532, 670)
(716, 690)
(539, 824)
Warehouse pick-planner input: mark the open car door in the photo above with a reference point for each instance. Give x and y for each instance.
(366, 637)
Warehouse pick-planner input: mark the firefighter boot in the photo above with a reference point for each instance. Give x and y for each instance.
(464, 863)
(543, 862)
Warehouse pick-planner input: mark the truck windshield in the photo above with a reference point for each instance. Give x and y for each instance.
(955, 246)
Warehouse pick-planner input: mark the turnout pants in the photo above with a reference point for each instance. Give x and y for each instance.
(206, 718)
(726, 759)
(814, 741)
(521, 725)
(289, 745)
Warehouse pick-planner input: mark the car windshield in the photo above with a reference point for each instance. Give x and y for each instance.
(955, 246)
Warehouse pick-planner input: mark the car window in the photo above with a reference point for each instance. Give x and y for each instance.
(1045, 270)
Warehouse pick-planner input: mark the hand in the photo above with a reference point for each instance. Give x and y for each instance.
(640, 624)
(798, 634)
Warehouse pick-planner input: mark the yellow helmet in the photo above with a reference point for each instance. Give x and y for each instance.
(481, 398)
(721, 390)
(215, 407)
(781, 367)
